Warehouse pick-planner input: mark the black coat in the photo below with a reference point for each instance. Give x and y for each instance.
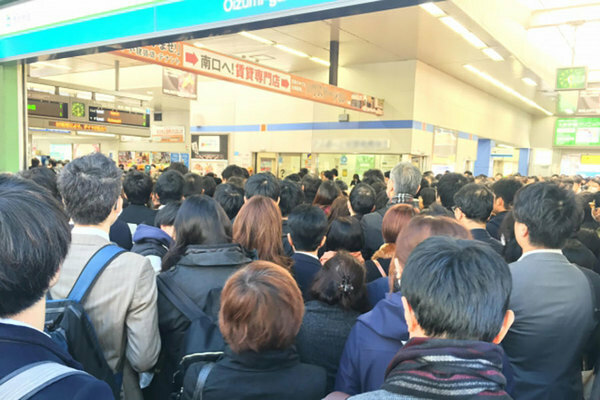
(276, 374)
(304, 270)
(138, 214)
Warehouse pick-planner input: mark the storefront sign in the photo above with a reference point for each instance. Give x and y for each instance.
(577, 132)
(589, 159)
(209, 63)
(168, 134)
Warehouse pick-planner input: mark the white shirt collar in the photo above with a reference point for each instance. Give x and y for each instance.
(14, 322)
(308, 254)
(90, 231)
(551, 251)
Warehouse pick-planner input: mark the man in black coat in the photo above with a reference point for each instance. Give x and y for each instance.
(504, 190)
(138, 188)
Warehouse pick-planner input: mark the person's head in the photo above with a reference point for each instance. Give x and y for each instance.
(448, 185)
(395, 219)
(303, 172)
(179, 167)
(35, 240)
(339, 208)
(342, 186)
(261, 308)
(192, 184)
(209, 185)
(45, 178)
(91, 190)
(290, 196)
(512, 251)
(362, 199)
(258, 227)
(169, 186)
(308, 226)
(329, 175)
(35, 162)
(232, 170)
(294, 178)
(345, 233)
(404, 178)
(165, 217)
(427, 196)
(373, 174)
(355, 178)
(263, 184)
(326, 194)
(498, 176)
(456, 289)
(468, 174)
(473, 202)
(505, 190)
(545, 216)
(341, 282)
(137, 187)
(199, 221)
(237, 181)
(231, 198)
(310, 185)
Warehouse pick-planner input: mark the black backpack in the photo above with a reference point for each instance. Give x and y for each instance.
(69, 325)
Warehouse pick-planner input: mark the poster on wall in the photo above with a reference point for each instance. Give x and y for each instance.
(242, 159)
(161, 159)
(180, 83)
(61, 152)
(126, 157)
(175, 157)
(185, 159)
(168, 134)
(203, 167)
(364, 163)
(83, 149)
(210, 147)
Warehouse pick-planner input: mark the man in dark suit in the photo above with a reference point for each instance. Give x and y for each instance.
(504, 190)
(138, 188)
(404, 183)
(308, 226)
(473, 204)
(551, 298)
(31, 219)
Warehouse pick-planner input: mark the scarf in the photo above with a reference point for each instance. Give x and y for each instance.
(403, 198)
(447, 369)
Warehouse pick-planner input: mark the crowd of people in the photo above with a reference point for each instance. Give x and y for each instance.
(404, 285)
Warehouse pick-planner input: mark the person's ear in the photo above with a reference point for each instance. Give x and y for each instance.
(414, 329)
(509, 318)
(290, 241)
(118, 205)
(278, 200)
(521, 230)
(458, 214)
(390, 189)
(323, 242)
(245, 199)
(55, 278)
(352, 213)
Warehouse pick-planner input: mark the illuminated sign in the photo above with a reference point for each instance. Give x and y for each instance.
(76, 126)
(577, 132)
(118, 117)
(52, 109)
(571, 78)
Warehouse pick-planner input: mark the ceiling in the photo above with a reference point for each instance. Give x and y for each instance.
(392, 35)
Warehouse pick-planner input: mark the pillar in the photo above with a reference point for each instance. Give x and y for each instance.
(524, 161)
(11, 118)
(483, 163)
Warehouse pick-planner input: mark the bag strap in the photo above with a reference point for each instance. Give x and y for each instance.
(380, 268)
(202, 377)
(168, 287)
(29, 380)
(94, 267)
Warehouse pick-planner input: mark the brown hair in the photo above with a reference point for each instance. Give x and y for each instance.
(258, 227)
(339, 208)
(326, 194)
(394, 220)
(420, 228)
(261, 308)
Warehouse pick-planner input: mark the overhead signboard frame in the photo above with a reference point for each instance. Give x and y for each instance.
(577, 132)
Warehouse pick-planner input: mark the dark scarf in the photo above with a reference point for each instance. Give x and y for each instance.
(447, 369)
(402, 198)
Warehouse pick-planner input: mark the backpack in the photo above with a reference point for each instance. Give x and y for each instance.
(203, 339)
(68, 324)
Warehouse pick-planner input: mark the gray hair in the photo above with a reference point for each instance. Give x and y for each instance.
(406, 178)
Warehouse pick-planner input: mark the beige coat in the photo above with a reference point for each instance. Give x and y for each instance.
(121, 305)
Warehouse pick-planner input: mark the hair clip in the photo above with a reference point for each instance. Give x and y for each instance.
(346, 286)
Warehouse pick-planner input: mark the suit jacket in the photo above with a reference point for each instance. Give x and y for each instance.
(121, 305)
(483, 236)
(21, 346)
(554, 317)
(304, 270)
(493, 225)
(138, 214)
(371, 226)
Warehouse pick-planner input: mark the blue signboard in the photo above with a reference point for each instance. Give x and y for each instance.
(27, 31)
(185, 159)
(175, 157)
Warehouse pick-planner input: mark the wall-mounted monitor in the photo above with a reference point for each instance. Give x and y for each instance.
(52, 109)
(118, 117)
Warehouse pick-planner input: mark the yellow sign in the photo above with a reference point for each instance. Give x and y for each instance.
(76, 126)
(590, 159)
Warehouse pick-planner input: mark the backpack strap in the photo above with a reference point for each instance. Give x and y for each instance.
(380, 268)
(168, 287)
(29, 380)
(201, 382)
(92, 270)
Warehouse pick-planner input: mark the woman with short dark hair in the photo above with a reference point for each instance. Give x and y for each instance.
(326, 194)
(339, 296)
(345, 233)
(261, 313)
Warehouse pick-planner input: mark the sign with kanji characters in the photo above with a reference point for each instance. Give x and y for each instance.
(172, 134)
(209, 63)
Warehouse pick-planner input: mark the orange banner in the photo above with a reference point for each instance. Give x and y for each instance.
(219, 66)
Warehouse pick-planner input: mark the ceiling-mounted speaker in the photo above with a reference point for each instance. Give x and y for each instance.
(157, 116)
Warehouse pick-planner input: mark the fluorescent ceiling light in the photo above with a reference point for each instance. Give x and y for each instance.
(564, 15)
(320, 61)
(529, 81)
(493, 54)
(256, 37)
(99, 134)
(48, 130)
(291, 51)
(464, 32)
(433, 9)
(105, 97)
(51, 65)
(506, 88)
(505, 146)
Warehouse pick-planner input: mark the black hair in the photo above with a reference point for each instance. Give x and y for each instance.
(335, 172)
(310, 186)
(387, 174)
(437, 210)
(550, 213)
(303, 172)
(137, 187)
(506, 188)
(290, 197)
(166, 215)
(341, 282)
(237, 181)
(90, 187)
(448, 185)
(263, 184)
(458, 289)
(584, 199)
(179, 167)
(192, 184)
(589, 238)
(52, 162)
(35, 162)
(35, 236)
(373, 174)
(169, 186)
(512, 250)
(307, 225)
(345, 233)
(233, 170)
(362, 199)
(328, 175)
(199, 221)
(428, 195)
(45, 178)
(341, 185)
(230, 197)
(294, 178)
(475, 201)
(209, 185)
(327, 193)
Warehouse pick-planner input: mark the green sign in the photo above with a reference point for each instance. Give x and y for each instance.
(567, 102)
(577, 132)
(571, 78)
(364, 163)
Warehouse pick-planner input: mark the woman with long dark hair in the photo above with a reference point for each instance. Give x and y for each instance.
(326, 195)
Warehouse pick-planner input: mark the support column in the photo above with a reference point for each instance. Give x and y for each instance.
(483, 164)
(524, 155)
(11, 118)
(334, 51)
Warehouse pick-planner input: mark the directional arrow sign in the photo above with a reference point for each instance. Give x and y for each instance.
(191, 58)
